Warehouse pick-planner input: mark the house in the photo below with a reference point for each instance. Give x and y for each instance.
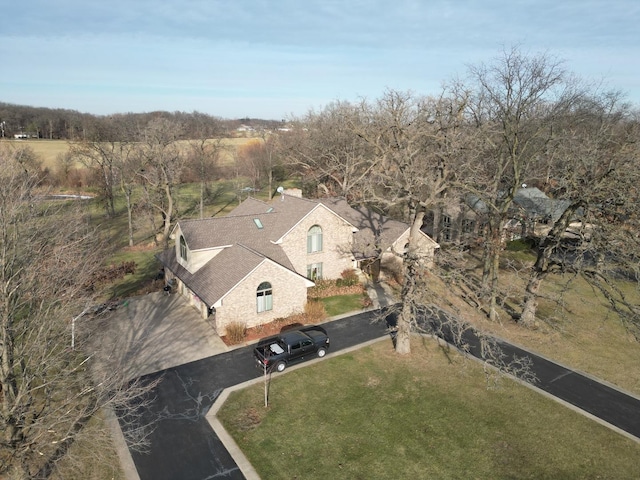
(255, 264)
(531, 215)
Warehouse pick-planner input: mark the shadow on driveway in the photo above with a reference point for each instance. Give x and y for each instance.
(151, 333)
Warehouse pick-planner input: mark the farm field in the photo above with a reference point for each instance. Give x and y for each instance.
(49, 151)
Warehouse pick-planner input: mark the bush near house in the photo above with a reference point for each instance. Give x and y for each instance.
(331, 288)
(314, 312)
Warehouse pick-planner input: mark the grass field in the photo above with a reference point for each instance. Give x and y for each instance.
(49, 151)
(370, 414)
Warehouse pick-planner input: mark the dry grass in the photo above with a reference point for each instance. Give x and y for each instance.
(577, 327)
(236, 332)
(50, 150)
(47, 150)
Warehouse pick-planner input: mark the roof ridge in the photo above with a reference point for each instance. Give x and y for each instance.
(252, 250)
(226, 217)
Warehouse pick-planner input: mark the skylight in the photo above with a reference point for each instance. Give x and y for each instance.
(258, 223)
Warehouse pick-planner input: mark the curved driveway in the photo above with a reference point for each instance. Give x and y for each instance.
(184, 446)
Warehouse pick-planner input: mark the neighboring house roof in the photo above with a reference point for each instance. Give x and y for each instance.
(536, 203)
(530, 199)
(375, 231)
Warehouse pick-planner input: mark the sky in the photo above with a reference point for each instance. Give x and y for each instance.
(281, 59)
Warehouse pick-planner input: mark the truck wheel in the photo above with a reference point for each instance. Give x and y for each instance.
(322, 352)
(280, 366)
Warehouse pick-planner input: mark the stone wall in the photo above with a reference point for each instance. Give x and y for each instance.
(289, 296)
(336, 243)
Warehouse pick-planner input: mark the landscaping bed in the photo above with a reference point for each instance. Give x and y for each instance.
(314, 313)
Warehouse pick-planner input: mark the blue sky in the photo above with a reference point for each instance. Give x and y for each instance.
(274, 59)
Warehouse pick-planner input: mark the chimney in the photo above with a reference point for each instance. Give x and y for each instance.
(294, 192)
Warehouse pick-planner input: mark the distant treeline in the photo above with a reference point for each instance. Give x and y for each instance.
(63, 124)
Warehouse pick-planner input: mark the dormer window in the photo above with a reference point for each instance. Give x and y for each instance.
(183, 248)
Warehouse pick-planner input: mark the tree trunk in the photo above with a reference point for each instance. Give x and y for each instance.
(129, 218)
(411, 280)
(166, 230)
(494, 288)
(403, 334)
(202, 199)
(528, 316)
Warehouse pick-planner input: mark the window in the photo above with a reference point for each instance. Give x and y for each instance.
(264, 297)
(314, 271)
(183, 248)
(446, 228)
(468, 226)
(314, 239)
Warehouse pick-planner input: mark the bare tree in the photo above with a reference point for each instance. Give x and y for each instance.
(48, 392)
(595, 174)
(513, 107)
(203, 157)
(413, 141)
(251, 162)
(324, 148)
(98, 150)
(162, 160)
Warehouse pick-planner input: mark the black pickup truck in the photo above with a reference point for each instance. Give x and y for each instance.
(275, 353)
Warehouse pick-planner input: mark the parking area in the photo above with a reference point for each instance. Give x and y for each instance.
(150, 333)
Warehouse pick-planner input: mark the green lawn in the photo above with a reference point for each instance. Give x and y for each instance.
(342, 304)
(370, 414)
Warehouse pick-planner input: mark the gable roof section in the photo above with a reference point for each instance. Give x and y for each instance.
(251, 206)
(374, 229)
(284, 212)
(295, 209)
(221, 274)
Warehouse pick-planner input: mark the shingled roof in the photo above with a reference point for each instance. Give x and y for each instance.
(375, 231)
(249, 235)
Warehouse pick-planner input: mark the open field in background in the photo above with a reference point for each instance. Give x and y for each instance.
(372, 414)
(49, 151)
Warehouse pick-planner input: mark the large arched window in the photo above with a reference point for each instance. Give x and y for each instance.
(264, 297)
(183, 248)
(314, 239)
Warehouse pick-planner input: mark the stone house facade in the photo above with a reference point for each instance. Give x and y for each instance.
(255, 264)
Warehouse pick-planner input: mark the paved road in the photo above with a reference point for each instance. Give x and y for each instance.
(184, 446)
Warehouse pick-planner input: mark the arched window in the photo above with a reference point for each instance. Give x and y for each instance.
(314, 239)
(264, 297)
(183, 248)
